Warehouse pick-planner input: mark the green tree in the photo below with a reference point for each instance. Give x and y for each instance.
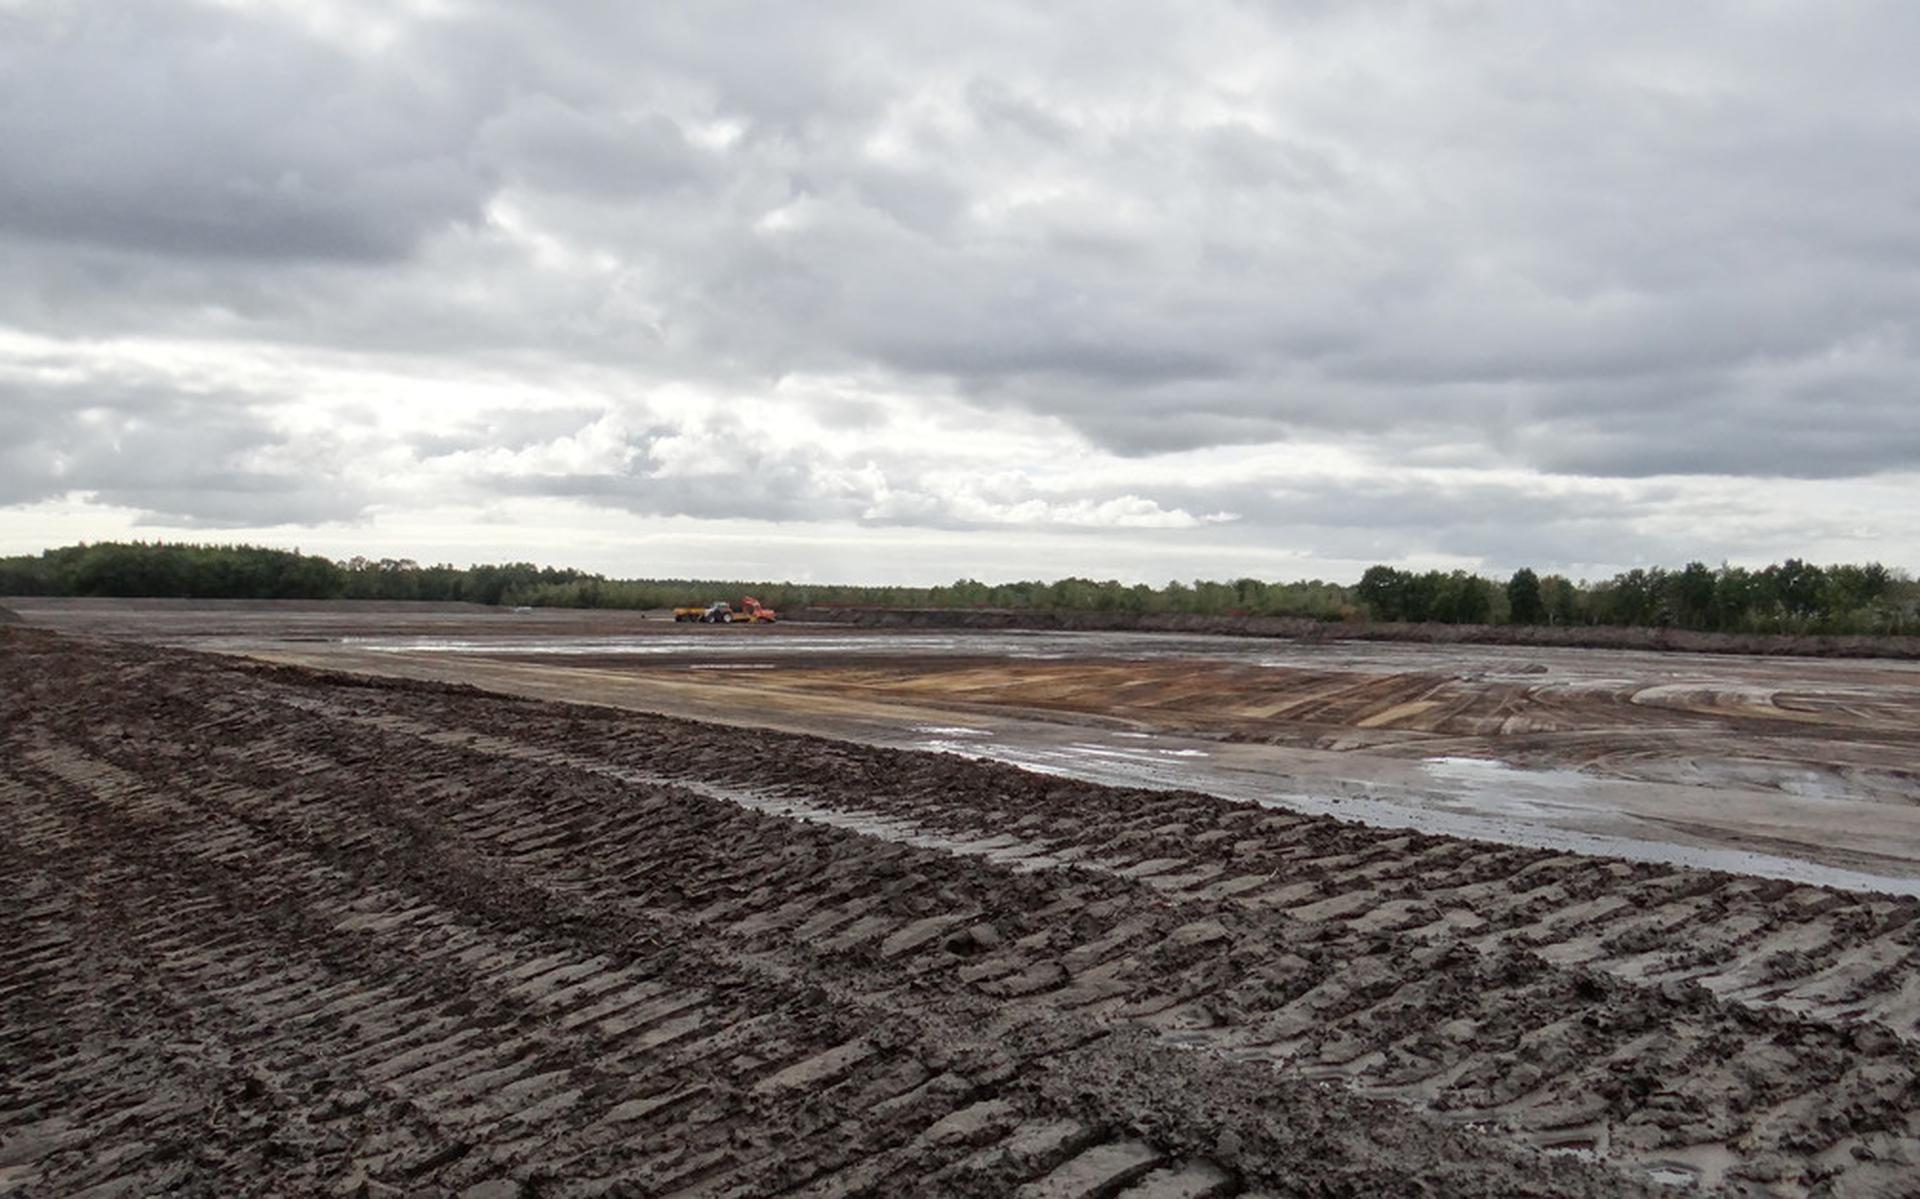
(1855, 587)
(1690, 596)
(1561, 599)
(1524, 604)
(1798, 589)
(1384, 591)
(1734, 596)
(1462, 598)
(1420, 598)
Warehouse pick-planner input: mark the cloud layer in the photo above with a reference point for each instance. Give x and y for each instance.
(1576, 284)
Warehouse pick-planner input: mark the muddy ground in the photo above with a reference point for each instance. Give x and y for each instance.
(279, 931)
(1799, 645)
(1807, 770)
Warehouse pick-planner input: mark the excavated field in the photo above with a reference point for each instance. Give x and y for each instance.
(280, 931)
(1793, 768)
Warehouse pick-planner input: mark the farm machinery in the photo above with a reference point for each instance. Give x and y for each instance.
(750, 611)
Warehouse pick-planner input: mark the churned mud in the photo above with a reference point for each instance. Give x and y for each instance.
(1307, 629)
(280, 931)
(1802, 770)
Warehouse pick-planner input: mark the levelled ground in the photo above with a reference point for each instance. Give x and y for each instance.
(277, 931)
(1803, 769)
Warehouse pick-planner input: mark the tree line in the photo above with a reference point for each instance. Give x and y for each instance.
(1787, 597)
(1791, 597)
(162, 569)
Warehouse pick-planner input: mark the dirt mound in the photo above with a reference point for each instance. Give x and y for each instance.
(272, 933)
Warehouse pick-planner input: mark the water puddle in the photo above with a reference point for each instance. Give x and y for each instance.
(1477, 799)
(1489, 772)
(1673, 1176)
(761, 641)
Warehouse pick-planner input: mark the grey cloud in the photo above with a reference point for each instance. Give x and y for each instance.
(182, 132)
(775, 494)
(176, 457)
(747, 480)
(849, 413)
(1504, 525)
(760, 487)
(1816, 442)
(1243, 157)
(510, 429)
(1555, 238)
(924, 202)
(548, 145)
(736, 476)
(228, 501)
(1072, 358)
(1137, 431)
(1000, 108)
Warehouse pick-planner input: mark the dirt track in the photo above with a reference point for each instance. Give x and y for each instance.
(278, 932)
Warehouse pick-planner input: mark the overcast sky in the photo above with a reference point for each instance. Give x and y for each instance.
(905, 292)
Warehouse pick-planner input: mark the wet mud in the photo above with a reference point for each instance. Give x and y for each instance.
(276, 930)
(1795, 769)
(1421, 633)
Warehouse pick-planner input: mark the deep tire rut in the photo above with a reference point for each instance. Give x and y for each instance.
(283, 932)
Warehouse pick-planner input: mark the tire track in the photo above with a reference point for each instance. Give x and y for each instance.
(547, 965)
(295, 957)
(1808, 950)
(1556, 1083)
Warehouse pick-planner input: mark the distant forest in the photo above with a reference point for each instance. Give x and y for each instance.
(1788, 597)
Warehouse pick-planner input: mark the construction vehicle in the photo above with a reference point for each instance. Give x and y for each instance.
(750, 611)
(718, 612)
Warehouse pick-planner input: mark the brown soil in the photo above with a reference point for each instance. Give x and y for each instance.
(281, 931)
(1689, 758)
(1620, 727)
(1425, 633)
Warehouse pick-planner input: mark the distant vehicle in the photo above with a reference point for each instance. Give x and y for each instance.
(751, 611)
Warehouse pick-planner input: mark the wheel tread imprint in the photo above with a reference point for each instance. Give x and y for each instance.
(346, 935)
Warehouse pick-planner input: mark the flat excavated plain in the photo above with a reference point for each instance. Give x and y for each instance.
(280, 931)
(1800, 769)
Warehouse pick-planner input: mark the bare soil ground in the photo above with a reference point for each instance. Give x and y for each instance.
(1797, 645)
(277, 931)
(1807, 769)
